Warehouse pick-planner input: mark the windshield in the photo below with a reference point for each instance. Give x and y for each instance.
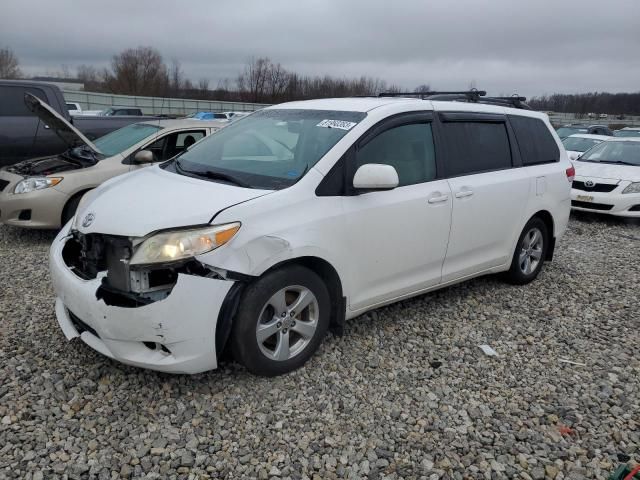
(566, 131)
(579, 144)
(123, 138)
(627, 133)
(270, 149)
(625, 152)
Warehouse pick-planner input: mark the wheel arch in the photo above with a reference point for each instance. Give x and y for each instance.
(547, 218)
(319, 266)
(72, 198)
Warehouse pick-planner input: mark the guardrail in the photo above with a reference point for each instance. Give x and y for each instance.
(156, 105)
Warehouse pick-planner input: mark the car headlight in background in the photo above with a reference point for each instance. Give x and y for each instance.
(36, 183)
(633, 188)
(180, 244)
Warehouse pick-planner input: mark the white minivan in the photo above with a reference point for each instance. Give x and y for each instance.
(302, 215)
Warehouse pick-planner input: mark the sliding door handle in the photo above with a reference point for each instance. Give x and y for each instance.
(464, 193)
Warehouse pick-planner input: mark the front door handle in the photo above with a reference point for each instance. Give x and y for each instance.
(464, 193)
(437, 198)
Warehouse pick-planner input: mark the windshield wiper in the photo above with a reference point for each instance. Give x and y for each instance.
(213, 175)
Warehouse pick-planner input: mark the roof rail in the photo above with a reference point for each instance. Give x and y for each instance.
(470, 96)
(473, 93)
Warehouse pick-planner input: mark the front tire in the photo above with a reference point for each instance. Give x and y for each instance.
(531, 250)
(282, 320)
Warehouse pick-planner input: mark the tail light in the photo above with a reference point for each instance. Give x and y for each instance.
(571, 173)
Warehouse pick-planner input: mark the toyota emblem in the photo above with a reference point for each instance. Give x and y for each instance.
(88, 219)
(589, 184)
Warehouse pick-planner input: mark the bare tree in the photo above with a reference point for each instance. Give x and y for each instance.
(176, 78)
(252, 81)
(424, 88)
(138, 71)
(9, 65)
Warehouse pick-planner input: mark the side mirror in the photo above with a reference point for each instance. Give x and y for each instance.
(374, 176)
(144, 156)
(573, 156)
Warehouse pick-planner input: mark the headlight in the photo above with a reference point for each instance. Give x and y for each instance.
(633, 188)
(181, 244)
(36, 183)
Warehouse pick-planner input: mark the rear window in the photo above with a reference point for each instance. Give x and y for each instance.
(536, 143)
(474, 147)
(12, 100)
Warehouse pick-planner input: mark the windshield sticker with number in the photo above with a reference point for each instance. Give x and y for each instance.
(341, 124)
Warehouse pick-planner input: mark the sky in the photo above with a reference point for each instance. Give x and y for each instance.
(529, 47)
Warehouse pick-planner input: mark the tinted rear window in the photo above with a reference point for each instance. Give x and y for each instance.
(536, 143)
(12, 100)
(474, 147)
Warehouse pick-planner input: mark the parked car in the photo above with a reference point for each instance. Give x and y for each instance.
(236, 115)
(608, 179)
(302, 215)
(208, 116)
(45, 192)
(573, 128)
(121, 111)
(578, 143)
(627, 132)
(74, 108)
(23, 135)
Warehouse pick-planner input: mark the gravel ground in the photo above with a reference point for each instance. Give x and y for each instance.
(406, 393)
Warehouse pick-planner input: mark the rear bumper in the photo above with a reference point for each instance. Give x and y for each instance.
(184, 323)
(38, 209)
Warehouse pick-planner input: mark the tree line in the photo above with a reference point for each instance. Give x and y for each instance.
(619, 104)
(143, 71)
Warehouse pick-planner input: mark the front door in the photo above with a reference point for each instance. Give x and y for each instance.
(397, 239)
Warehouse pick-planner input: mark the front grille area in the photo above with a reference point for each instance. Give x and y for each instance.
(3, 184)
(598, 187)
(80, 325)
(590, 205)
(89, 254)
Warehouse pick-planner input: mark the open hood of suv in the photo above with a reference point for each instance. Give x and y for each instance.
(52, 119)
(151, 199)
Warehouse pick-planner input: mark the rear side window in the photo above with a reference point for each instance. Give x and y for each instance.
(407, 148)
(534, 140)
(474, 147)
(12, 100)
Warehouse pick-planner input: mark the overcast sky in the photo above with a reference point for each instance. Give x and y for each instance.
(530, 47)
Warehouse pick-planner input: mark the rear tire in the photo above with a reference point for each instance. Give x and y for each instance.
(282, 319)
(530, 253)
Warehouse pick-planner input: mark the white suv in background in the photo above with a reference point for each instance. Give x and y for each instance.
(303, 215)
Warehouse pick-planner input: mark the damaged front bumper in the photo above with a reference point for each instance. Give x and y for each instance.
(176, 334)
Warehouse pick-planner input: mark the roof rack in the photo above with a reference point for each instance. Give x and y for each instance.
(471, 96)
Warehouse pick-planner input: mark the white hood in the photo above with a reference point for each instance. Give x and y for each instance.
(151, 199)
(607, 170)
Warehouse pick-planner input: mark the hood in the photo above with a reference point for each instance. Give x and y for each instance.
(70, 135)
(43, 166)
(151, 199)
(607, 170)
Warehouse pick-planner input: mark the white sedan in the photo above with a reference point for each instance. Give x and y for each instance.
(578, 143)
(608, 179)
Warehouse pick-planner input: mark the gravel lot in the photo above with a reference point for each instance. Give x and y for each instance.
(406, 393)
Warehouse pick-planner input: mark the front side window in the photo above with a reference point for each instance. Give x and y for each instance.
(474, 147)
(579, 144)
(622, 152)
(271, 149)
(119, 140)
(407, 148)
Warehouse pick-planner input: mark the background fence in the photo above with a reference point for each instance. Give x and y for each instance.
(562, 118)
(156, 105)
